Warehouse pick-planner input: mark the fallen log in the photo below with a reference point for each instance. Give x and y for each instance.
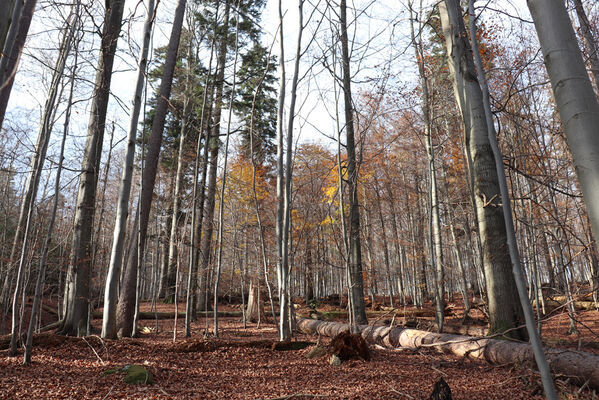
(582, 368)
(171, 315)
(556, 302)
(399, 312)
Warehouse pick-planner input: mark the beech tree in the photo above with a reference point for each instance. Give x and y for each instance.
(504, 309)
(77, 287)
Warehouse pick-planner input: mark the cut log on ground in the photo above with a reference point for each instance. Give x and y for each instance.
(555, 302)
(580, 367)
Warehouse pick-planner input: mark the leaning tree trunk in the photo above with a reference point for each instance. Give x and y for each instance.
(38, 162)
(535, 339)
(505, 311)
(355, 251)
(576, 102)
(15, 41)
(127, 301)
(8, 64)
(43, 259)
(6, 17)
(122, 212)
(79, 272)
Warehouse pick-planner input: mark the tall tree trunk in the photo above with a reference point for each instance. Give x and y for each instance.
(46, 248)
(505, 311)
(126, 308)
(122, 212)
(15, 41)
(535, 339)
(78, 276)
(214, 143)
(21, 20)
(435, 225)
(355, 251)
(576, 102)
(221, 200)
(39, 159)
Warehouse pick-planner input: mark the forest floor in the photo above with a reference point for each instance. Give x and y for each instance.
(242, 365)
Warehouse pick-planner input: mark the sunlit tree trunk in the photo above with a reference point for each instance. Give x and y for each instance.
(505, 311)
(78, 276)
(576, 102)
(122, 212)
(127, 301)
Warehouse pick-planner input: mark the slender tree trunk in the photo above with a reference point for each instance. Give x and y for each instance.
(214, 143)
(122, 213)
(38, 163)
(15, 41)
(126, 307)
(221, 200)
(505, 312)
(589, 41)
(435, 225)
(355, 252)
(44, 256)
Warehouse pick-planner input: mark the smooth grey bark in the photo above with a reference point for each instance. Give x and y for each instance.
(576, 101)
(533, 334)
(505, 312)
(127, 301)
(15, 41)
(78, 276)
(355, 251)
(122, 212)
